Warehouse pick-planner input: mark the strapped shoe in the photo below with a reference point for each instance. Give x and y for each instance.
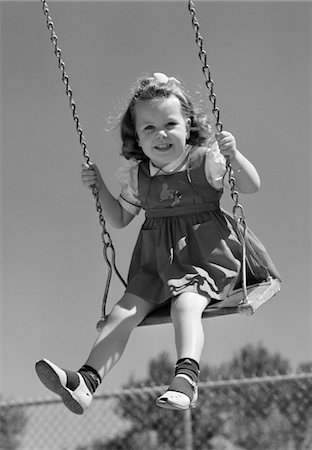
(77, 398)
(172, 399)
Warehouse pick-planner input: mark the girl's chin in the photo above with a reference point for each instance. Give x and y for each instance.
(162, 150)
(163, 157)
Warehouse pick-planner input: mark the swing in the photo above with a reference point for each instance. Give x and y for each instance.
(243, 300)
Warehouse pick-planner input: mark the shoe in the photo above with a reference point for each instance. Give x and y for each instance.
(55, 379)
(178, 400)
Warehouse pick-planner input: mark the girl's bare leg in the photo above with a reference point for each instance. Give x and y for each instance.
(186, 315)
(76, 388)
(111, 342)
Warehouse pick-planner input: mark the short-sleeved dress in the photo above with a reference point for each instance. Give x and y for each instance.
(187, 243)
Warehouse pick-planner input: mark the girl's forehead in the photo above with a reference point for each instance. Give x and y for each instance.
(165, 106)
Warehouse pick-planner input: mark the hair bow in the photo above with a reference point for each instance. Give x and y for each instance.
(163, 79)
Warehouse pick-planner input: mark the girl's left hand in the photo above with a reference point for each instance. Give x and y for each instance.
(227, 144)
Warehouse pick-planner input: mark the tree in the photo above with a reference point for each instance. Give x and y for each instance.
(262, 414)
(255, 361)
(12, 424)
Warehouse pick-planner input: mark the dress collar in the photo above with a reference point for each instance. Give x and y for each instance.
(172, 166)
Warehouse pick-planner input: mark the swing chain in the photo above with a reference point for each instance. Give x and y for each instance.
(215, 110)
(238, 211)
(205, 68)
(106, 238)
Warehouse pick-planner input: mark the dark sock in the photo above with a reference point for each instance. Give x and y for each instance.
(91, 377)
(189, 367)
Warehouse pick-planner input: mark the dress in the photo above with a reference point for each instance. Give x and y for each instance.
(187, 243)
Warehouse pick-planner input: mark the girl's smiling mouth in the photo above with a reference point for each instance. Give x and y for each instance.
(163, 147)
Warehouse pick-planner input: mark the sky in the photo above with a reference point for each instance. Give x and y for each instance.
(52, 268)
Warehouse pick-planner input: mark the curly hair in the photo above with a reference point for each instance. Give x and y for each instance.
(149, 88)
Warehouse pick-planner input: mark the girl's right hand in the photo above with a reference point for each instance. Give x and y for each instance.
(90, 176)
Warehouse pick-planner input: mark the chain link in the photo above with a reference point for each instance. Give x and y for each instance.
(106, 238)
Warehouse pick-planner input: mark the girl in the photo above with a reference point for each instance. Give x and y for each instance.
(188, 252)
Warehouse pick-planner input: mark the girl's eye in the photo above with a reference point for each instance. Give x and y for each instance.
(149, 128)
(171, 124)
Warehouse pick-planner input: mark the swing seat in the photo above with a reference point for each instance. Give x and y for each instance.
(257, 294)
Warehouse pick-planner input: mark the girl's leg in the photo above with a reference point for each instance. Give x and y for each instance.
(127, 314)
(76, 388)
(186, 315)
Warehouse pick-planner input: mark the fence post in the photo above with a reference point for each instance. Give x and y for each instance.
(188, 445)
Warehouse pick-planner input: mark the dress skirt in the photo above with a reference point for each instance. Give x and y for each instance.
(199, 252)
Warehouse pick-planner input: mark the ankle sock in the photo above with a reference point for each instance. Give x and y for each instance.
(91, 377)
(189, 369)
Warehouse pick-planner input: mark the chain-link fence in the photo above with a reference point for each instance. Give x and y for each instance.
(256, 413)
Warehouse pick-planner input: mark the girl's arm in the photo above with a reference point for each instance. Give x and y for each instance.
(245, 174)
(115, 214)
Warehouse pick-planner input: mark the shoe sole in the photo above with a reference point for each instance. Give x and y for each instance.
(51, 380)
(169, 405)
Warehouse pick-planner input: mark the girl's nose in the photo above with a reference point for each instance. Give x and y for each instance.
(161, 134)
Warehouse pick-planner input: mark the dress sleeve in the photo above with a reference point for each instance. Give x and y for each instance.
(127, 176)
(215, 166)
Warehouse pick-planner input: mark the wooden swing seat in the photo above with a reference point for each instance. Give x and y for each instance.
(233, 304)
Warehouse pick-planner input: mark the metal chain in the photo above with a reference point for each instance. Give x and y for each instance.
(238, 210)
(106, 239)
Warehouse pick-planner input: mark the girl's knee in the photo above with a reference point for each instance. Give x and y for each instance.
(119, 313)
(130, 309)
(188, 303)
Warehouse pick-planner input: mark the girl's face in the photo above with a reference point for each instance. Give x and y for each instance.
(162, 129)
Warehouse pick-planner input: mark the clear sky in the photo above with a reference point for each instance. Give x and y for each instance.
(53, 272)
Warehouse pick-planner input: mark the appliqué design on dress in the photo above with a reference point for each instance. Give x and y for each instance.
(204, 283)
(170, 194)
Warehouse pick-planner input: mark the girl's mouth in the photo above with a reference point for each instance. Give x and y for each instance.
(163, 147)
